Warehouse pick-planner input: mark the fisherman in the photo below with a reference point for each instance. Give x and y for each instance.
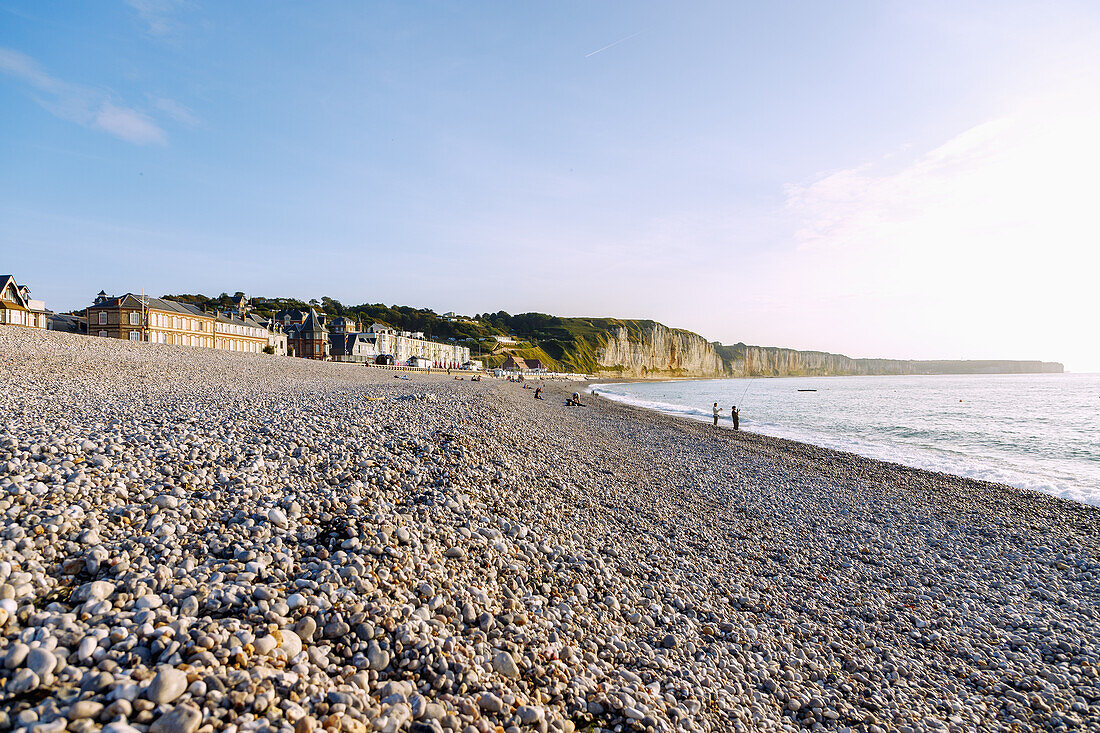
(715, 414)
(735, 415)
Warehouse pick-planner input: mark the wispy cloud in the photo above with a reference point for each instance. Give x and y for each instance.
(159, 16)
(987, 236)
(84, 105)
(127, 124)
(176, 111)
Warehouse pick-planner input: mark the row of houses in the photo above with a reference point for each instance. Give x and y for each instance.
(312, 335)
(305, 333)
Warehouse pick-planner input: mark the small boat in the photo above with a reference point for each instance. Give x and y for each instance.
(807, 390)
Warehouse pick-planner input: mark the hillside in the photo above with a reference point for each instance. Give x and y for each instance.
(617, 346)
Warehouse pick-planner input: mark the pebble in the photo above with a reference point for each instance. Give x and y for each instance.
(167, 685)
(42, 662)
(184, 718)
(490, 702)
(84, 709)
(505, 664)
(482, 561)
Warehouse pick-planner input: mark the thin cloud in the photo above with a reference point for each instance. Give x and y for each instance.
(983, 242)
(27, 69)
(178, 112)
(616, 43)
(86, 106)
(159, 16)
(128, 124)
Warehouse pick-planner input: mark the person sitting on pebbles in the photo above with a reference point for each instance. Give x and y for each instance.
(575, 400)
(538, 393)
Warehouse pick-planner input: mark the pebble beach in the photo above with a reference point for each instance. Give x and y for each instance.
(196, 540)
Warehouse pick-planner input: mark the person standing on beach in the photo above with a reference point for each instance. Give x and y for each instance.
(735, 415)
(715, 414)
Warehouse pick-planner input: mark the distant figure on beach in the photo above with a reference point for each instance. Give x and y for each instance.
(538, 393)
(735, 415)
(575, 400)
(715, 414)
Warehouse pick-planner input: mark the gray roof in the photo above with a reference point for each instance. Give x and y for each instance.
(161, 304)
(312, 324)
(343, 344)
(248, 320)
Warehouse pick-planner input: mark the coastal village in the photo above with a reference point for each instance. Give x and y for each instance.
(306, 333)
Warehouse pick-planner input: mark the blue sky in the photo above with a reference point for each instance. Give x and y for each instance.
(877, 178)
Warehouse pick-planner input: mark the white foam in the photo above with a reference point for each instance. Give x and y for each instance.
(942, 458)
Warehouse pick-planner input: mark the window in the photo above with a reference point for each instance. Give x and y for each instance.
(135, 318)
(103, 333)
(103, 319)
(135, 335)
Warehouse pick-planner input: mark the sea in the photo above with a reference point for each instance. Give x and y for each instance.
(1034, 431)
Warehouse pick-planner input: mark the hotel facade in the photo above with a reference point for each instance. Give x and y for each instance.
(164, 321)
(156, 320)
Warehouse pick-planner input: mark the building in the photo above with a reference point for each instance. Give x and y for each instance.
(402, 348)
(165, 321)
(343, 324)
(144, 318)
(276, 339)
(16, 306)
(234, 332)
(515, 364)
(293, 316)
(383, 345)
(353, 347)
(67, 323)
(308, 339)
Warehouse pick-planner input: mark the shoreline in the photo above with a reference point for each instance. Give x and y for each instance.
(339, 549)
(929, 455)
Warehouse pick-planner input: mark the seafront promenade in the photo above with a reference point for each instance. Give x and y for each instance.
(196, 540)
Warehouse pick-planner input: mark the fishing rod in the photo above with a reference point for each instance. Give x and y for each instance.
(740, 401)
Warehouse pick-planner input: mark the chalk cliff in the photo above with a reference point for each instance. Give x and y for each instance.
(650, 349)
(657, 350)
